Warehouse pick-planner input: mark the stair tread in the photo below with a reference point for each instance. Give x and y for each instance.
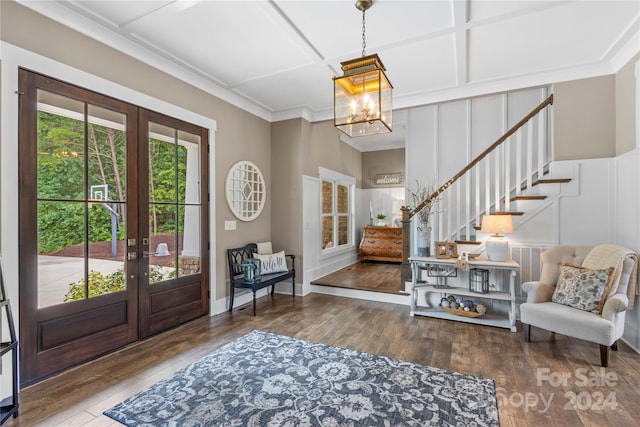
(467, 242)
(554, 180)
(529, 197)
(514, 213)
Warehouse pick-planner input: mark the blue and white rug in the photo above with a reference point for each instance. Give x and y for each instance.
(263, 379)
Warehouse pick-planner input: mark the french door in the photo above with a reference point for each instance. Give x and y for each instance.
(112, 223)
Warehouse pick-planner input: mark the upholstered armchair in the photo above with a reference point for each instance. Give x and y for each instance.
(608, 269)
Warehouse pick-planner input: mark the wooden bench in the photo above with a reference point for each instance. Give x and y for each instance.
(238, 260)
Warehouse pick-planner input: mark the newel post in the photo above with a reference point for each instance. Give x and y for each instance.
(405, 270)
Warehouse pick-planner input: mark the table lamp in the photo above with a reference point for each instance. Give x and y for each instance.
(497, 246)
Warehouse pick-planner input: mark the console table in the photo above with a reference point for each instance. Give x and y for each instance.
(381, 244)
(509, 268)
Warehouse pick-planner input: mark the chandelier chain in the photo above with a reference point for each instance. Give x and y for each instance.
(364, 40)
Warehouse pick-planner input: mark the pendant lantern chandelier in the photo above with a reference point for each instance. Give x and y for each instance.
(362, 96)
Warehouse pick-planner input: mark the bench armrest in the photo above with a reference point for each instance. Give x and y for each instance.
(293, 261)
(615, 304)
(538, 291)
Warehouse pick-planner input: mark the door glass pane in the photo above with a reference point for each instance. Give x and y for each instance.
(188, 168)
(106, 249)
(189, 240)
(60, 252)
(107, 155)
(60, 147)
(106, 145)
(162, 242)
(162, 164)
(81, 190)
(174, 203)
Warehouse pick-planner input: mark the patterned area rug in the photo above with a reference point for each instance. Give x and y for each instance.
(263, 379)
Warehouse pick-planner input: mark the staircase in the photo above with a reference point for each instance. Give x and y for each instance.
(511, 177)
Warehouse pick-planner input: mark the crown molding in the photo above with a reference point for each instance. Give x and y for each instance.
(85, 26)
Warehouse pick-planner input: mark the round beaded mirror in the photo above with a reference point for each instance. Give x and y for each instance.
(246, 191)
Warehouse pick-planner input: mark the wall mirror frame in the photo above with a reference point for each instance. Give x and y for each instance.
(246, 190)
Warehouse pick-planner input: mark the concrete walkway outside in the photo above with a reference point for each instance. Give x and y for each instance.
(56, 273)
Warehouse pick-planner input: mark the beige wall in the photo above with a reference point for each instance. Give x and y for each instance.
(322, 147)
(300, 148)
(626, 107)
(383, 161)
(286, 165)
(584, 119)
(240, 135)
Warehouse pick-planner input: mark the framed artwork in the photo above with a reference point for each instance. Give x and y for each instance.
(442, 250)
(452, 250)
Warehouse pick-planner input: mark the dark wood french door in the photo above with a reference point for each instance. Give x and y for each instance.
(112, 222)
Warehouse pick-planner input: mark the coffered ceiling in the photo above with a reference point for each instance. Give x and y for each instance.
(277, 58)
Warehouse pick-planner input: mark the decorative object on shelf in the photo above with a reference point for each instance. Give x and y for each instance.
(370, 213)
(423, 239)
(452, 249)
(381, 218)
(423, 235)
(460, 307)
(442, 250)
(459, 312)
(246, 190)
(463, 261)
(434, 270)
(362, 96)
(479, 280)
(497, 246)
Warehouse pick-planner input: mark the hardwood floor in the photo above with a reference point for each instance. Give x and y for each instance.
(367, 276)
(528, 377)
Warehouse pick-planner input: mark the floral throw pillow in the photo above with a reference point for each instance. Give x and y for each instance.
(582, 288)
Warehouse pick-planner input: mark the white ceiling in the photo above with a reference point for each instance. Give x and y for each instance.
(276, 59)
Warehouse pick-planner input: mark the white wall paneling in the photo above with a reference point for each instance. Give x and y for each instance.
(461, 130)
(632, 206)
(627, 227)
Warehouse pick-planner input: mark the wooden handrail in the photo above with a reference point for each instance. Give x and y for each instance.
(514, 128)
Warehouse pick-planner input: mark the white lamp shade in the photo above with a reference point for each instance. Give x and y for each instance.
(497, 224)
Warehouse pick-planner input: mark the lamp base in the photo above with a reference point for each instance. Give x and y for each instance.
(497, 249)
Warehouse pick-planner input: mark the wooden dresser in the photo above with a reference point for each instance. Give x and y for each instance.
(381, 244)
